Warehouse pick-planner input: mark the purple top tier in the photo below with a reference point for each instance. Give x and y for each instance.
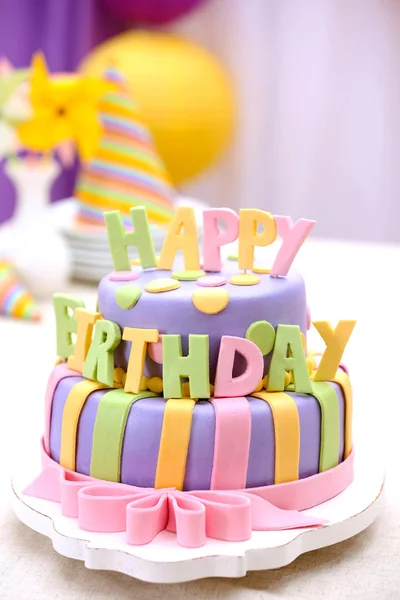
(277, 300)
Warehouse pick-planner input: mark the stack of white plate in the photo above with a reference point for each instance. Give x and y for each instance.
(90, 252)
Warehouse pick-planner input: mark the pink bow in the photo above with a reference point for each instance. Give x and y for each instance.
(144, 512)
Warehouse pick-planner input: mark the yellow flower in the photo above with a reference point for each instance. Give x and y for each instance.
(64, 108)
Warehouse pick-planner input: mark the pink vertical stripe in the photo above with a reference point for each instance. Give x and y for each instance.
(232, 443)
(58, 373)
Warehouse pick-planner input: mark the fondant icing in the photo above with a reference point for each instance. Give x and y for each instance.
(293, 236)
(127, 296)
(199, 410)
(211, 281)
(244, 279)
(138, 339)
(228, 515)
(85, 321)
(184, 219)
(270, 444)
(249, 238)
(214, 238)
(120, 239)
(280, 300)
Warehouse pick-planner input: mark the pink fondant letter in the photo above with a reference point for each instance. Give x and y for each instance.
(214, 238)
(293, 237)
(225, 384)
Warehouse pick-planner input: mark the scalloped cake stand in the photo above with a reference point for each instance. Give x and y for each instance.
(163, 561)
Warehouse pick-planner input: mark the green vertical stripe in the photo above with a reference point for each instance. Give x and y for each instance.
(108, 434)
(330, 425)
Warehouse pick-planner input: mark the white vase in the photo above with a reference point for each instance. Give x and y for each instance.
(36, 248)
(32, 180)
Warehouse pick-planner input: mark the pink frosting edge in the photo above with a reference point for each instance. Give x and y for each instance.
(195, 515)
(301, 494)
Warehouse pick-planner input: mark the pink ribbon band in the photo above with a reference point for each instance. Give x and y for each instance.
(142, 513)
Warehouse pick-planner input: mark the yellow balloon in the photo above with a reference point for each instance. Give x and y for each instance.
(184, 94)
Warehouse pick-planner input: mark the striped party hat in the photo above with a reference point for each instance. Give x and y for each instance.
(126, 170)
(15, 300)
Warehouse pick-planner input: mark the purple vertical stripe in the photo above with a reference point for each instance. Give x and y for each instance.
(143, 433)
(310, 433)
(310, 430)
(60, 397)
(200, 456)
(261, 465)
(142, 441)
(85, 431)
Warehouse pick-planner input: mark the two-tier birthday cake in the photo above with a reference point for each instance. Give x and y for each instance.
(188, 401)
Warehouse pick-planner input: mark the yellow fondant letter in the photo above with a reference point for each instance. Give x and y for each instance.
(188, 242)
(139, 338)
(248, 236)
(85, 322)
(335, 340)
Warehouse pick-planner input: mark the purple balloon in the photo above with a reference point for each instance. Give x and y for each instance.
(150, 12)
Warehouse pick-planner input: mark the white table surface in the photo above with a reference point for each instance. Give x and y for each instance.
(343, 281)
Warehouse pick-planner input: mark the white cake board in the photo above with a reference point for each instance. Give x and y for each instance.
(164, 561)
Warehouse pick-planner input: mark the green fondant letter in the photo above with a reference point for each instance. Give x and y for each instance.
(99, 364)
(195, 366)
(119, 239)
(288, 355)
(66, 323)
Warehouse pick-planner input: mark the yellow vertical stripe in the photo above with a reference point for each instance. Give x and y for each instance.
(287, 434)
(344, 381)
(72, 411)
(174, 443)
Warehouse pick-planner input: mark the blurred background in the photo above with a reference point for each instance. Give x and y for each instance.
(288, 106)
(317, 90)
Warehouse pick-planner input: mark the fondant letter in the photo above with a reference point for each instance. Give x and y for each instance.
(139, 339)
(214, 238)
(335, 340)
(188, 242)
(195, 366)
(225, 384)
(293, 236)
(119, 239)
(288, 355)
(66, 324)
(85, 322)
(248, 236)
(99, 364)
